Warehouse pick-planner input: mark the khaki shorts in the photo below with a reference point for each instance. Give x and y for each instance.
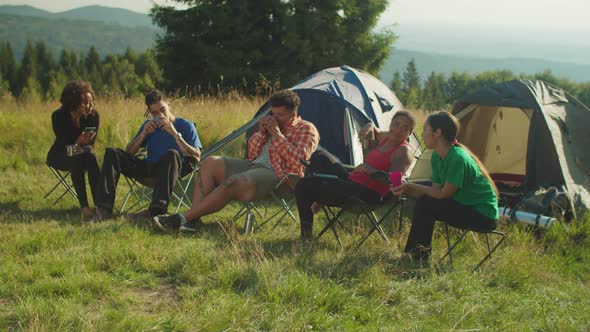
(264, 178)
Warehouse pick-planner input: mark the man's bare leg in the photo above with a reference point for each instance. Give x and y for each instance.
(236, 187)
(211, 174)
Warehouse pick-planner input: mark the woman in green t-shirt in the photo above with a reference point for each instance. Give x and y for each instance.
(462, 193)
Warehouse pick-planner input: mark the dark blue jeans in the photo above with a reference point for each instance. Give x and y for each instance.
(428, 210)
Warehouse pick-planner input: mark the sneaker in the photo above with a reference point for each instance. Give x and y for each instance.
(166, 223)
(192, 226)
(145, 215)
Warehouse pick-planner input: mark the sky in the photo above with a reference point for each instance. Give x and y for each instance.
(546, 14)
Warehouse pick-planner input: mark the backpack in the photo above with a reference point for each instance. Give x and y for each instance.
(552, 202)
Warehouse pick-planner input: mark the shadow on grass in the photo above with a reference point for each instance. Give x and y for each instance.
(12, 212)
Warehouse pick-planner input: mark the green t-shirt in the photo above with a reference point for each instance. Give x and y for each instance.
(460, 169)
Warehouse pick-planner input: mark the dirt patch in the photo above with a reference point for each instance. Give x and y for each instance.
(151, 300)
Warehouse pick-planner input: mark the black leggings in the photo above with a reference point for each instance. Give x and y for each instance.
(162, 173)
(77, 166)
(429, 209)
(327, 191)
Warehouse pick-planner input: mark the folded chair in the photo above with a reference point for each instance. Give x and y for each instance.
(360, 208)
(281, 195)
(140, 191)
(62, 179)
(490, 249)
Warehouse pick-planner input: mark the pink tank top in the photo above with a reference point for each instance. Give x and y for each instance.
(380, 160)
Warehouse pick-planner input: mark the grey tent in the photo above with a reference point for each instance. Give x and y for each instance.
(529, 132)
(338, 101)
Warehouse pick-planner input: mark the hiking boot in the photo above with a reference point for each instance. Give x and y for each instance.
(167, 223)
(192, 226)
(143, 215)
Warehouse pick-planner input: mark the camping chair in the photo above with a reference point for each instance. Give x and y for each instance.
(62, 179)
(360, 208)
(141, 189)
(490, 249)
(281, 195)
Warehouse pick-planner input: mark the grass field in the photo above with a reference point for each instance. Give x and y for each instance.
(56, 275)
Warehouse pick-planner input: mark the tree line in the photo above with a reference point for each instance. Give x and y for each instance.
(39, 76)
(439, 91)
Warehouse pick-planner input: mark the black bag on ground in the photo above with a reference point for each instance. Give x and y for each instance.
(553, 202)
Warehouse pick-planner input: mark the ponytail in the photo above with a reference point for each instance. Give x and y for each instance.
(482, 168)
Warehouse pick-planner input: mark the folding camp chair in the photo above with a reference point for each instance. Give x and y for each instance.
(490, 249)
(140, 190)
(281, 195)
(360, 208)
(62, 179)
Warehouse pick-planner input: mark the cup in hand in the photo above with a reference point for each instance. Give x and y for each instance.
(395, 178)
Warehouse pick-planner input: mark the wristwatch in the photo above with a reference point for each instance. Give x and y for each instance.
(178, 135)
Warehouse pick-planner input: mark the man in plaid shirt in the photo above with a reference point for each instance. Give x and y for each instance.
(282, 141)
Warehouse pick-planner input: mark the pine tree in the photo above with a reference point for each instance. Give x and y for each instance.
(28, 69)
(396, 83)
(411, 85)
(45, 65)
(9, 68)
(68, 63)
(31, 91)
(433, 95)
(57, 81)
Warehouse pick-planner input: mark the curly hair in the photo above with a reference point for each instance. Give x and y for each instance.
(285, 98)
(72, 98)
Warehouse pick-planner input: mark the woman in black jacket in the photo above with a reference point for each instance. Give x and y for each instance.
(76, 122)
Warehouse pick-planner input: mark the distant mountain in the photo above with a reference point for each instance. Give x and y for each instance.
(493, 40)
(23, 11)
(89, 13)
(108, 15)
(78, 35)
(427, 62)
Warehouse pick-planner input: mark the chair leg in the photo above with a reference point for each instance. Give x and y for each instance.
(402, 199)
(377, 225)
(331, 221)
(450, 246)
(63, 180)
(491, 251)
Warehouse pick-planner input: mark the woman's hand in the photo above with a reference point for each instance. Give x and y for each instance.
(366, 130)
(401, 189)
(85, 138)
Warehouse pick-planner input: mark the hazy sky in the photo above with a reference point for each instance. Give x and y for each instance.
(560, 14)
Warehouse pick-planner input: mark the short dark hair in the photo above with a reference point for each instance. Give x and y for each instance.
(285, 98)
(154, 96)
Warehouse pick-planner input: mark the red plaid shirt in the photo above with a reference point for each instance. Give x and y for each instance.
(300, 140)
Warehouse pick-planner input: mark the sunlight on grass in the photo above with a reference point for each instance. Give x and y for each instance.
(58, 275)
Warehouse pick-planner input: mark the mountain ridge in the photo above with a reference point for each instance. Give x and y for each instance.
(96, 13)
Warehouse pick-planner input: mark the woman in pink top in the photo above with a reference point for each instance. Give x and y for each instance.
(392, 153)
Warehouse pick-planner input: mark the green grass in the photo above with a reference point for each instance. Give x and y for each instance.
(58, 275)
